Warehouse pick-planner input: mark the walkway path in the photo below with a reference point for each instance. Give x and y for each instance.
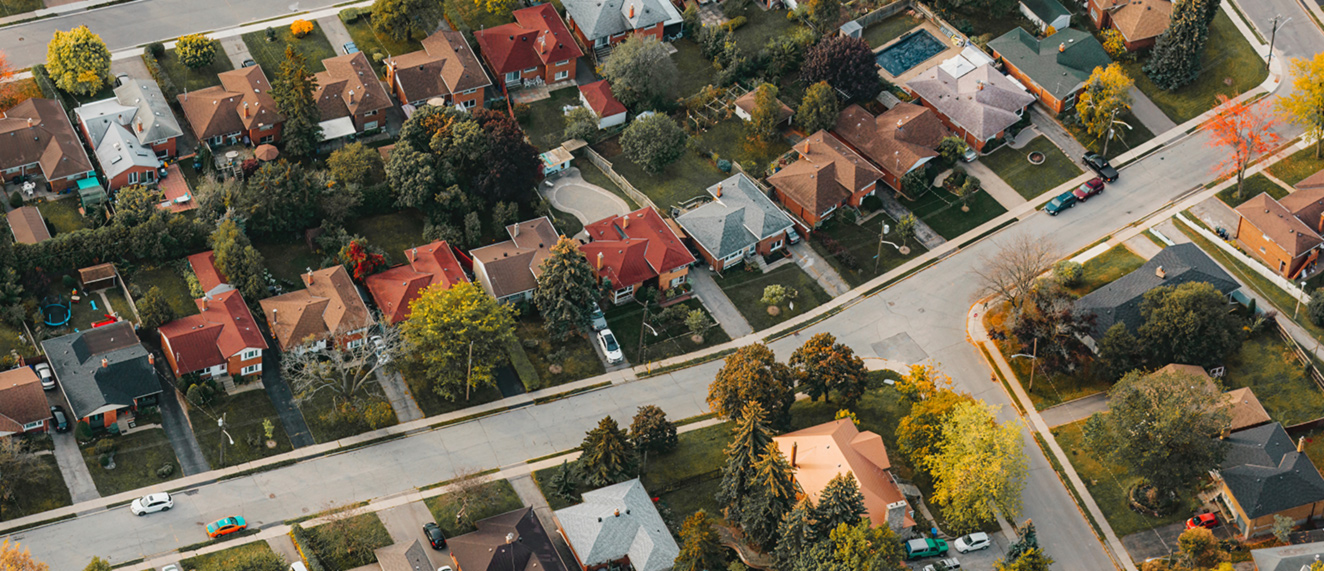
(813, 264)
(923, 233)
(1049, 127)
(1076, 410)
(995, 186)
(720, 306)
(1148, 113)
(397, 392)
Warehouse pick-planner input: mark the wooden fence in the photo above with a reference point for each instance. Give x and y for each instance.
(605, 166)
(883, 13)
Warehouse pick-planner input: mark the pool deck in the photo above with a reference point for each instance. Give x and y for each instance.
(952, 50)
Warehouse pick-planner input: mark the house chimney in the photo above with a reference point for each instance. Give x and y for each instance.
(151, 358)
(140, 126)
(599, 261)
(632, 11)
(105, 362)
(795, 448)
(896, 515)
(1160, 273)
(1301, 444)
(516, 229)
(625, 223)
(1225, 433)
(618, 512)
(807, 145)
(245, 110)
(273, 317)
(1061, 48)
(29, 122)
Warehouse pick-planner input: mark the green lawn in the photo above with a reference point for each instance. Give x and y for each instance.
(746, 290)
(941, 211)
(1298, 166)
(1045, 390)
(371, 43)
(171, 284)
(269, 55)
(575, 355)
(368, 531)
(1266, 364)
(1108, 483)
(137, 457)
(678, 182)
(395, 233)
(195, 79)
(693, 70)
(9, 341)
(1131, 138)
(1227, 56)
(327, 425)
(594, 175)
(1029, 180)
(862, 246)
(1253, 186)
(495, 498)
(761, 26)
(13, 7)
(1104, 268)
(889, 29)
(545, 126)
(63, 215)
(287, 259)
(729, 140)
(44, 491)
(673, 339)
(243, 414)
(83, 315)
(225, 560)
(467, 16)
(120, 304)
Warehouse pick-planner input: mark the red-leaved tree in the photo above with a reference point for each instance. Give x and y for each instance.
(1245, 132)
(360, 259)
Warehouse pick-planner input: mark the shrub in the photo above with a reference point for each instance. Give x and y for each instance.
(522, 112)
(15, 199)
(165, 471)
(871, 203)
(734, 23)
(105, 446)
(724, 165)
(69, 281)
(301, 28)
(271, 34)
(1068, 273)
(105, 461)
(350, 15)
(83, 432)
(1316, 307)
(156, 49)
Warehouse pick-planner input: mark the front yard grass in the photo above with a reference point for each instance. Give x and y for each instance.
(889, 29)
(729, 140)
(1254, 185)
(1131, 138)
(269, 55)
(243, 413)
(14, 7)
(861, 244)
(369, 532)
(63, 215)
(44, 491)
(673, 339)
(433, 404)
(468, 16)
(394, 232)
(678, 182)
(371, 43)
(745, 289)
(1227, 56)
(227, 559)
(1047, 389)
(186, 79)
(137, 457)
(1266, 364)
(327, 424)
(1104, 268)
(1298, 166)
(942, 212)
(575, 356)
(545, 126)
(498, 497)
(171, 284)
(1029, 180)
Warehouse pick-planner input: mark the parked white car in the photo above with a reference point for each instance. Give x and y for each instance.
(610, 348)
(152, 503)
(379, 346)
(973, 542)
(47, 378)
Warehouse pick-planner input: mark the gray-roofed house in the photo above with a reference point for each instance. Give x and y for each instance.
(1119, 301)
(1288, 557)
(404, 557)
(1262, 476)
(106, 375)
(130, 132)
(740, 221)
(618, 525)
(512, 541)
(973, 99)
(601, 24)
(1046, 14)
(1055, 68)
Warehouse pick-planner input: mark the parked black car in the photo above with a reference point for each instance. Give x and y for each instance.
(61, 421)
(435, 537)
(1100, 165)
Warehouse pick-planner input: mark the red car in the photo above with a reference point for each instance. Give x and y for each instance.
(1090, 188)
(1208, 521)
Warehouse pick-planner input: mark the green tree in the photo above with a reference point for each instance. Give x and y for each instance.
(840, 503)
(919, 434)
(154, 310)
(581, 123)
(414, 177)
(980, 467)
(1120, 352)
(771, 499)
(566, 291)
(1175, 60)
(750, 437)
(195, 50)
(864, 546)
(819, 109)
(784, 53)
(1107, 94)
(765, 122)
(399, 19)
(1315, 309)
(697, 322)
(640, 71)
(356, 164)
(495, 7)
(795, 534)
(564, 482)
(753, 375)
(135, 204)
(650, 431)
(237, 260)
(1304, 105)
(1032, 560)
(1282, 528)
(822, 15)
(699, 548)
(280, 196)
(1188, 324)
(1198, 548)
(916, 183)
(951, 148)
(293, 89)
(1180, 412)
(456, 334)
(824, 367)
(607, 455)
(98, 564)
(653, 142)
(18, 467)
(78, 61)
(905, 229)
(1068, 273)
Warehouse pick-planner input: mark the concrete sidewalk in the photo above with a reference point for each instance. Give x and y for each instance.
(1148, 113)
(820, 269)
(397, 392)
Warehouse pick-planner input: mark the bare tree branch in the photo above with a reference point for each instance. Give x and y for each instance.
(345, 372)
(1010, 274)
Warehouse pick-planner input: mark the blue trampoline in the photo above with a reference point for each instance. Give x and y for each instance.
(56, 313)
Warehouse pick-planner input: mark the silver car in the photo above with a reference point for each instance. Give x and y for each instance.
(973, 542)
(152, 503)
(47, 378)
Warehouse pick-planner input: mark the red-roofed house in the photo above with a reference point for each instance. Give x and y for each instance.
(828, 175)
(222, 338)
(431, 265)
(536, 47)
(204, 267)
(634, 250)
(598, 98)
(23, 408)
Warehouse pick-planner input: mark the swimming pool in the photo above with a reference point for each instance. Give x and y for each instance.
(909, 51)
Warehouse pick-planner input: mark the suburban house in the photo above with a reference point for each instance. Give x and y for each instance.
(636, 249)
(618, 527)
(27, 225)
(971, 97)
(740, 221)
(509, 271)
(512, 541)
(329, 308)
(131, 132)
(98, 277)
(1046, 14)
(1284, 234)
(105, 374)
(23, 408)
(403, 556)
(36, 138)
(240, 109)
(819, 453)
(745, 104)
(534, 49)
(1262, 476)
(446, 69)
(827, 176)
(597, 97)
(1290, 557)
(1119, 301)
(395, 288)
(1140, 22)
(1055, 68)
(1243, 408)
(897, 142)
(600, 24)
(350, 97)
(222, 338)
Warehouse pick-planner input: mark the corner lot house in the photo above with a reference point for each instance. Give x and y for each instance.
(819, 453)
(512, 541)
(327, 313)
(222, 339)
(130, 132)
(446, 68)
(1264, 475)
(1284, 234)
(1055, 68)
(535, 48)
(897, 142)
(740, 221)
(598, 98)
(431, 265)
(23, 408)
(618, 526)
(37, 139)
(1119, 301)
(971, 97)
(240, 109)
(509, 271)
(1139, 21)
(603, 23)
(27, 225)
(105, 374)
(634, 250)
(350, 97)
(828, 176)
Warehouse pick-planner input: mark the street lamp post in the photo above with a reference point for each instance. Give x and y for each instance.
(220, 423)
(1298, 302)
(1274, 36)
(878, 258)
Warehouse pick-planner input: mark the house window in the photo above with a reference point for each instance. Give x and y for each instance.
(369, 125)
(355, 344)
(470, 103)
(678, 280)
(133, 177)
(149, 176)
(531, 70)
(775, 245)
(267, 139)
(218, 139)
(370, 113)
(251, 369)
(563, 62)
(251, 354)
(1094, 14)
(34, 425)
(600, 42)
(562, 75)
(467, 92)
(512, 76)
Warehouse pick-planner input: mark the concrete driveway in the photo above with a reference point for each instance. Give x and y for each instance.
(405, 524)
(70, 460)
(587, 202)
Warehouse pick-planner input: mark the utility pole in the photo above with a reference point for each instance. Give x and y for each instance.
(1034, 364)
(1111, 117)
(468, 376)
(1273, 36)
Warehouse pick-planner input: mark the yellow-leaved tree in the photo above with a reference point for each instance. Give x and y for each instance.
(14, 558)
(1305, 104)
(78, 61)
(301, 28)
(1107, 94)
(496, 7)
(980, 468)
(455, 338)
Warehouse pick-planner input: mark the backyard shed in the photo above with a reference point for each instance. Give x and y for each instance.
(90, 193)
(98, 277)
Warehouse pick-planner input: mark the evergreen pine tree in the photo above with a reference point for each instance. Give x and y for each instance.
(563, 482)
(1175, 60)
(293, 91)
(771, 497)
(566, 291)
(839, 502)
(608, 457)
(751, 437)
(795, 534)
(699, 549)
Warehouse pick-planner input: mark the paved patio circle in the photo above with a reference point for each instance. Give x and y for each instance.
(587, 202)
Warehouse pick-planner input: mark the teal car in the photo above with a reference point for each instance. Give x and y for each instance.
(226, 526)
(922, 548)
(1061, 202)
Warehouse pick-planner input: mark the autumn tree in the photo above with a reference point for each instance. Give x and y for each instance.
(1304, 105)
(607, 455)
(8, 89)
(356, 164)
(1115, 44)
(822, 15)
(361, 259)
(1010, 274)
(922, 382)
(242, 265)
(919, 433)
(195, 50)
(640, 71)
(1032, 560)
(752, 375)
(980, 468)
(1175, 60)
(1188, 324)
(839, 503)
(509, 168)
(1107, 94)
(1181, 412)
(78, 61)
(566, 291)
(97, 564)
(471, 494)
(653, 142)
(845, 63)
(293, 89)
(399, 19)
(154, 309)
(1198, 548)
(699, 548)
(456, 337)
(771, 499)
(765, 121)
(824, 367)
(1049, 326)
(819, 109)
(905, 228)
(14, 558)
(1244, 132)
(18, 466)
(651, 431)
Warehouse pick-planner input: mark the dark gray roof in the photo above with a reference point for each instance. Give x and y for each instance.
(1046, 10)
(93, 385)
(1119, 301)
(1266, 474)
(1059, 63)
(404, 557)
(739, 218)
(529, 548)
(1288, 557)
(602, 18)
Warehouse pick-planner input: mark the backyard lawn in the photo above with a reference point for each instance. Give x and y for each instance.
(467, 16)
(371, 43)
(678, 182)
(44, 491)
(227, 559)
(497, 495)
(729, 140)
(1267, 365)
(120, 304)
(433, 404)
(761, 26)
(1131, 138)
(745, 289)
(1104, 268)
(9, 342)
(594, 175)
(186, 79)
(860, 243)
(1253, 186)
(1298, 166)
(269, 55)
(137, 457)
(693, 70)
(243, 413)
(942, 212)
(673, 339)
(575, 356)
(367, 531)
(889, 29)
(288, 259)
(1029, 180)
(63, 215)
(1230, 66)
(546, 124)
(171, 284)
(395, 232)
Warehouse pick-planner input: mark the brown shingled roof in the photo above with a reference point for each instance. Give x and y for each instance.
(21, 400)
(896, 140)
(1139, 19)
(748, 101)
(349, 86)
(38, 131)
(329, 306)
(242, 101)
(27, 225)
(513, 266)
(1279, 224)
(445, 65)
